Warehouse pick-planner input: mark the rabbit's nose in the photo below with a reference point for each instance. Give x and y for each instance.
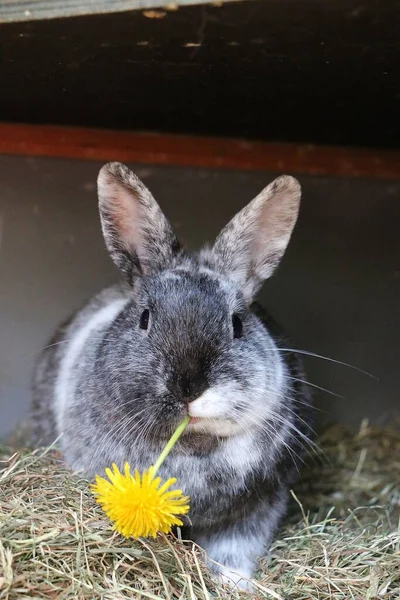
(191, 386)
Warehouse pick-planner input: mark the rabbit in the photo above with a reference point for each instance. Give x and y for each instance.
(183, 335)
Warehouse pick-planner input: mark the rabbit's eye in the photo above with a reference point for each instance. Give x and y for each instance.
(237, 326)
(144, 319)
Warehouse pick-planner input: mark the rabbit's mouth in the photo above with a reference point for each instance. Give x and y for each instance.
(211, 413)
(198, 423)
(214, 426)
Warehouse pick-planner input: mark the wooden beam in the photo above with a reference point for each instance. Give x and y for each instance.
(12, 11)
(152, 148)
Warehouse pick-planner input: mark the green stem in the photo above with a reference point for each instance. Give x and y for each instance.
(180, 429)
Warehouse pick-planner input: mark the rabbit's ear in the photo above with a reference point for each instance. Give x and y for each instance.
(138, 236)
(251, 246)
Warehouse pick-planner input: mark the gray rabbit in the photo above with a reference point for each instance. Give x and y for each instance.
(183, 335)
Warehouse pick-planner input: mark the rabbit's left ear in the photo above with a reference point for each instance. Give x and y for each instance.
(138, 236)
(250, 247)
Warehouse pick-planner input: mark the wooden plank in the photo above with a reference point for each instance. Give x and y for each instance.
(203, 152)
(32, 10)
(311, 72)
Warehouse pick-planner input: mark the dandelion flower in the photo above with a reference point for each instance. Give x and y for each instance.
(141, 505)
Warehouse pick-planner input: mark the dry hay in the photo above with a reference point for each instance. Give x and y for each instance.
(341, 541)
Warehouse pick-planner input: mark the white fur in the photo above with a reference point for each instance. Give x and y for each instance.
(213, 403)
(231, 545)
(213, 408)
(243, 548)
(64, 388)
(240, 454)
(222, 428)
(237, 578)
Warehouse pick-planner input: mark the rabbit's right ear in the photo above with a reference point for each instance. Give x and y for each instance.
(138, 236)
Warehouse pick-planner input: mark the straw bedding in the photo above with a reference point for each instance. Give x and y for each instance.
(341, 539)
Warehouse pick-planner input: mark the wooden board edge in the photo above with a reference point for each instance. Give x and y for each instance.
(36, 10)
(203, 152)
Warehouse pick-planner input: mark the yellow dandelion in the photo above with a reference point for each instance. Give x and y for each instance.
(141, 505)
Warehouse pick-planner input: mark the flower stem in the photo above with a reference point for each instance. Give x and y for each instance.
(178, 432)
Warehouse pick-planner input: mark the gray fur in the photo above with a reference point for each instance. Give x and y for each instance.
(115, 392)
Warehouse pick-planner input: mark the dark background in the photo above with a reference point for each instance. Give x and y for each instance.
(324, 72)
